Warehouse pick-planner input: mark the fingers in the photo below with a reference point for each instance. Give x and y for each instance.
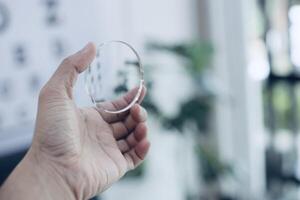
(135, 146)
(139, 134)
(137, 114)
(133, 139)
(136, 155)
(119, 104)
(66, 74)
(122, 128)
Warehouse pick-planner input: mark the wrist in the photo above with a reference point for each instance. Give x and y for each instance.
(33, 179)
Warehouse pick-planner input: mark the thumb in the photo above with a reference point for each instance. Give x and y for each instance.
(66, 75)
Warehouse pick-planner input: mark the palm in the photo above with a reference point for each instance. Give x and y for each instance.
(109, 145)
(102, 161)
(98, 147)
(91, 149)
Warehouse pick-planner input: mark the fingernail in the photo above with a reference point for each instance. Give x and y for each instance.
(85, 48)
(143, 113)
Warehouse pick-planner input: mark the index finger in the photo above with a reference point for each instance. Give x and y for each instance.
(118, 104)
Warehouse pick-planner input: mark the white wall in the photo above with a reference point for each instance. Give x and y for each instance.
(134, 21)
(78, 23)
(239, 114)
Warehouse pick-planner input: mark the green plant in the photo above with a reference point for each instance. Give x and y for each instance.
(211, 166)
(196, 110)
(196, 56)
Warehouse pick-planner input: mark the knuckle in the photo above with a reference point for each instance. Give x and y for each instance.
(71, 62)
(67, 61)
(43, 93)
(49, 92)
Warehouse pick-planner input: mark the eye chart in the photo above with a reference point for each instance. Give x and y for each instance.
(35, 35)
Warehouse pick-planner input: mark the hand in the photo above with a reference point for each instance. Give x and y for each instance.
(85, 149)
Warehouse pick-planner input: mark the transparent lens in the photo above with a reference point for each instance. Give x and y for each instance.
(116, 70)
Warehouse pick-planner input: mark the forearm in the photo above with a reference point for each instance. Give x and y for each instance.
(31, 180)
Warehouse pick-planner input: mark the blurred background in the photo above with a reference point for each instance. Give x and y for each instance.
(223, 80)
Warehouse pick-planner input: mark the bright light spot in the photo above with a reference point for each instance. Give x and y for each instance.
(295, 32)
(294, 14)
(259, 69)
(296, 57)
(258, 66)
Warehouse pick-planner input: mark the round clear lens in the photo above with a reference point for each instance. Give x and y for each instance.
(116, 70)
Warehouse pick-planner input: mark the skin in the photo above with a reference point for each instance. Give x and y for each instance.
(77, 153)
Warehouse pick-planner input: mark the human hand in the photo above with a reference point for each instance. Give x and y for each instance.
(84, 150)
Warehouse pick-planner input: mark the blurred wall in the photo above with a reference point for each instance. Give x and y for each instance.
(239, 113)
(40, 33)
